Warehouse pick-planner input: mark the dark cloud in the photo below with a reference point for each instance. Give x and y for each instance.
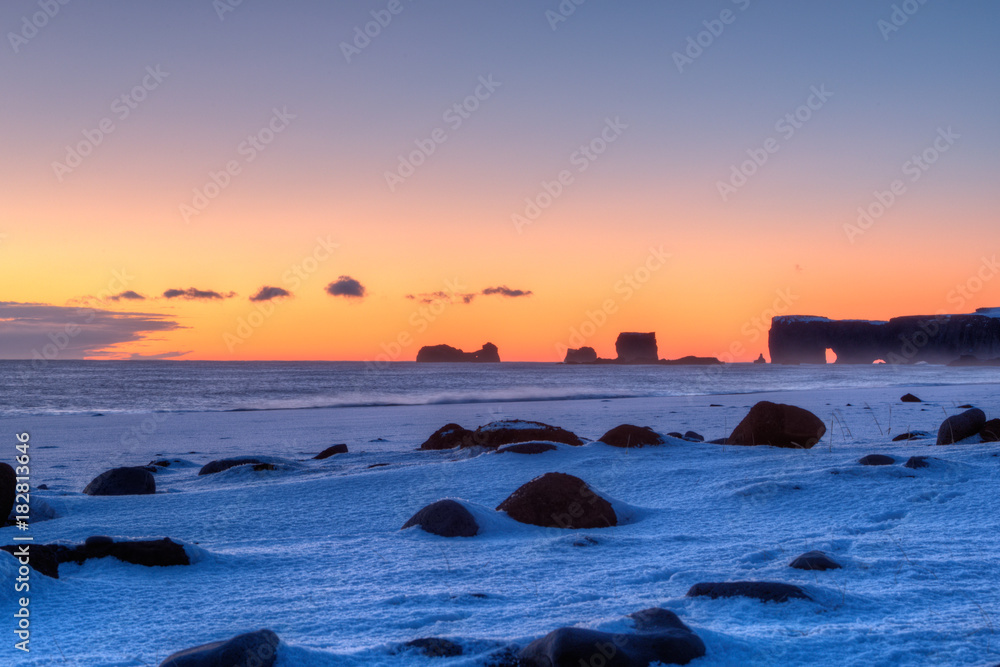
(267, 293)
(503, 290)
(451, 297)
(41, 331)
(198, 294)
(346, 286)
(128, 295)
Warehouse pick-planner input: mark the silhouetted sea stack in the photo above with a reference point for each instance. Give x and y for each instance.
(778, 425)
(448, 354)
(760, 359)
(558, 500)
(637, 348)
(583, 355)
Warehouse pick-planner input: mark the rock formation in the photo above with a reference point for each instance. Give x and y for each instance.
(637, 348)
(447, 353)
(583, 355)
(935, 339)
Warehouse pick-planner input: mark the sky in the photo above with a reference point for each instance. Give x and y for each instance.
(353, 180)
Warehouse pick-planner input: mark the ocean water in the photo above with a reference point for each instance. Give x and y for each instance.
(80, 387)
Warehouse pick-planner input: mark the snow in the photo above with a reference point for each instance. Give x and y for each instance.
(314, 550)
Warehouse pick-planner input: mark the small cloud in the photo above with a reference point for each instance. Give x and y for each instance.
(162, 355)
(451, 297)
(503, 290)
(128, 295)
(192, 293)
(346, 286)
(267, 293)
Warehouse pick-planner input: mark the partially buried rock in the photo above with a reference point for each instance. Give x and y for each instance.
(990, 431)
(225, 464)
(628, 435)
(434, 647)
(8, 491)
(446, 518)
(961, 426)
(814, 560)
(42, 558)
(910, 435)
(778, 425)
(765, 591)
(449, 436)
(909, 398)
(527, 448)
(558, 500)
(876, 460)
(659, 637)
(694, 437)
(258, 649)
(508, 431)
(915, 462)
(331, 450)
(150, 553)
(122, 482)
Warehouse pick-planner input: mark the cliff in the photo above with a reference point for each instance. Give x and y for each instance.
(447, 353)
(935, 339)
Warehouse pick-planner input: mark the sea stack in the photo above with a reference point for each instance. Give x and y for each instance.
(637, 348)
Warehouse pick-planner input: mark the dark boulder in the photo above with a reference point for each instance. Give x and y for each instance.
(765, 591)
(910, 435)
(814, 560)
(259, 467)
(694, 437)
(150, 553)
(558, 500)
(508, 431)
(675, 434)
(256, 649)
(330, 451)
(446, 518)
(637, 348)
(910, 398)
(915, 462)
(659, 637)
(628, 435)
(43, 558)
(583, 355)
(435, 647)
(122, 482)
(8, 491)
(225, 464)
(961, 426)
(990, 431)
(528, 448)
(449, 436)
(778, 425)
(876, 460)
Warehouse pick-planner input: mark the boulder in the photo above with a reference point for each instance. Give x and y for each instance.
(637, 348)
(961, 426)
(8, 491)
(508, 431)
(258, 649)
(225, 464)
(528, 448)
(446, 518)
(258, 467)
(435, 647)
(694, 437)
(990, 431)
(628, 435)
(449, 436)
(448, 354)
(558, 500)
(765, 591)
(778, 425)
(910, 398)
(43, 558)
(814, 560)
(876, 460)
(659, 637)
(122, 482)
(583, 355)
(330, 451)
(150, 553)
(915, 462)
(910, 435)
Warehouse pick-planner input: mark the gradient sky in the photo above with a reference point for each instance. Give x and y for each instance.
(314, 204)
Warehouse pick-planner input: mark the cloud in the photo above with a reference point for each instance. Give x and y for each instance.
(135, 356)
(41, 331)
(267, 293)
(129, 295)
(503, 290)
(451, 297)
(346, 286)
(192, 293)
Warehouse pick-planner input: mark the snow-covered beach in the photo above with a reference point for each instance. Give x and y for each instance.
(313, 550)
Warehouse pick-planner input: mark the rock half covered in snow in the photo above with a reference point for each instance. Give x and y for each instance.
(778, 425)
(558, 500)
